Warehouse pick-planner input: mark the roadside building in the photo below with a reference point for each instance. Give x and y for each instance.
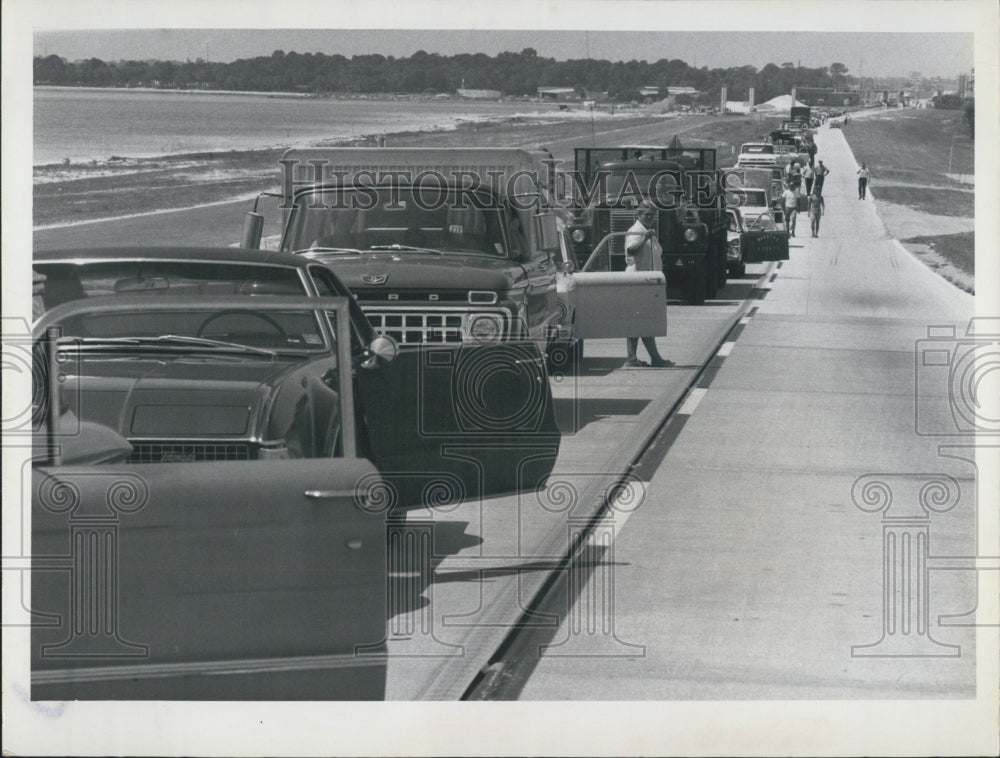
(559, 94)
(480, 94)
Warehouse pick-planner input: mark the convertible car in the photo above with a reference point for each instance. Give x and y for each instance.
(220, 437)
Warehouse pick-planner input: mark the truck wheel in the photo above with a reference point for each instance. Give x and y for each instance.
(711, 280)
(694, 284)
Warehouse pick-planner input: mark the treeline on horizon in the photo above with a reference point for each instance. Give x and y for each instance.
(513, 74)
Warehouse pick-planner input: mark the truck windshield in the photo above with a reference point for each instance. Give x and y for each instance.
(651, 182)
(399, 219)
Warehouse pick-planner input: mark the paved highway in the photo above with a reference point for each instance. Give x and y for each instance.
(738, 562)
(755, 567)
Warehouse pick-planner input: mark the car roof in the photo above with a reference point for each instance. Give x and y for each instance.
(204, 254)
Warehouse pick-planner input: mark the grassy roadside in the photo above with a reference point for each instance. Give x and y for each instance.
(916, 158)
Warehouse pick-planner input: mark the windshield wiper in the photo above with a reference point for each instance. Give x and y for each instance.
(407, 248)
(175, 339)
(329, 250)
(186, 339)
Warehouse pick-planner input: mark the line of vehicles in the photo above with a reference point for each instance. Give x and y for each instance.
(221, 434)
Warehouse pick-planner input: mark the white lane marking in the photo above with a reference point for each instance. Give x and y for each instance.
(692, 401)
(237, 199)
(726, 349)
(745, 320)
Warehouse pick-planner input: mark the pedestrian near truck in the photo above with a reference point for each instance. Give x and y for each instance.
(862, 182)
(791, 198)
(819, 177)
(817, 206)
(808, 174)
(643, 253)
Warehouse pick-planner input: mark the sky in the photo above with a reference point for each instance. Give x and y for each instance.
(869, 54)
(887, 38)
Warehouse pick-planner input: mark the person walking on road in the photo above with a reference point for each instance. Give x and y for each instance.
(791, 198)
(816, 208)
(643, 253)
(819, 176)
(807, 177)
(862, 182)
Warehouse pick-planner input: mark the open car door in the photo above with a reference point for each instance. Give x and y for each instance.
(451, 421)
(617, 303)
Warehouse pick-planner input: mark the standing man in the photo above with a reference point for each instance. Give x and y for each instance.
(862, 182)
(791, 198)
(816, 208)
(643, 253)
(819, 177)
(807, 177)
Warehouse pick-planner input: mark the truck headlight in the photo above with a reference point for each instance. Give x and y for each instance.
(579, 235)
(485, 329)
(690, 235)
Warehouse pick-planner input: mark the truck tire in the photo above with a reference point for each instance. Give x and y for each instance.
(711, 278)
(694, 283)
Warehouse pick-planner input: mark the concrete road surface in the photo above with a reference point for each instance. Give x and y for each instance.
(820, 472)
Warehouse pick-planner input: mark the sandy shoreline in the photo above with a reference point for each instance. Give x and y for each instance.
(73, 193)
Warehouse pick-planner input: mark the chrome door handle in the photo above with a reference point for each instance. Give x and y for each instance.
(325, 494)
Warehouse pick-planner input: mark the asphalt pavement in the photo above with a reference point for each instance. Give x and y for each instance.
(792, 543)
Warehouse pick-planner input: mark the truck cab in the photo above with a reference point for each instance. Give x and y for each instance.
(436, 245)
(681, 183)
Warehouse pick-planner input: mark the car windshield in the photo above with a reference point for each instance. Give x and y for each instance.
(62, 282)
(402, 219)
(754, 197)
(240, 329)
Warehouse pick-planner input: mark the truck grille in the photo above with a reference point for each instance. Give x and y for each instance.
(183, 452)
(435, 326)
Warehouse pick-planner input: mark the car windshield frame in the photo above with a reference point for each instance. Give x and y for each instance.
(75, 322)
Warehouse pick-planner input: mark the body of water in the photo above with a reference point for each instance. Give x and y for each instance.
(88, 124)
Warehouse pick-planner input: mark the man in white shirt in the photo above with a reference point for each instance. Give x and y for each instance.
(807, 177)
(791, 198)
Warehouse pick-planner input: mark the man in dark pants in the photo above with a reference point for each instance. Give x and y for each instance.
(819, 177)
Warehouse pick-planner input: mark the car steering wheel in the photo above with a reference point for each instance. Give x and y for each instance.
(233, 311)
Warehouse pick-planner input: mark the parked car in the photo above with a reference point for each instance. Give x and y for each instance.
(182, 372)
(219, 575)
(753, 239)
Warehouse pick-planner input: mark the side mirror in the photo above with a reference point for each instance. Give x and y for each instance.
(546, 231)
(253, 230)
(382, 350)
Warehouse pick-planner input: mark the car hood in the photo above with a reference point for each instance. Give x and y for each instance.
(422, 271)
(187, 396)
